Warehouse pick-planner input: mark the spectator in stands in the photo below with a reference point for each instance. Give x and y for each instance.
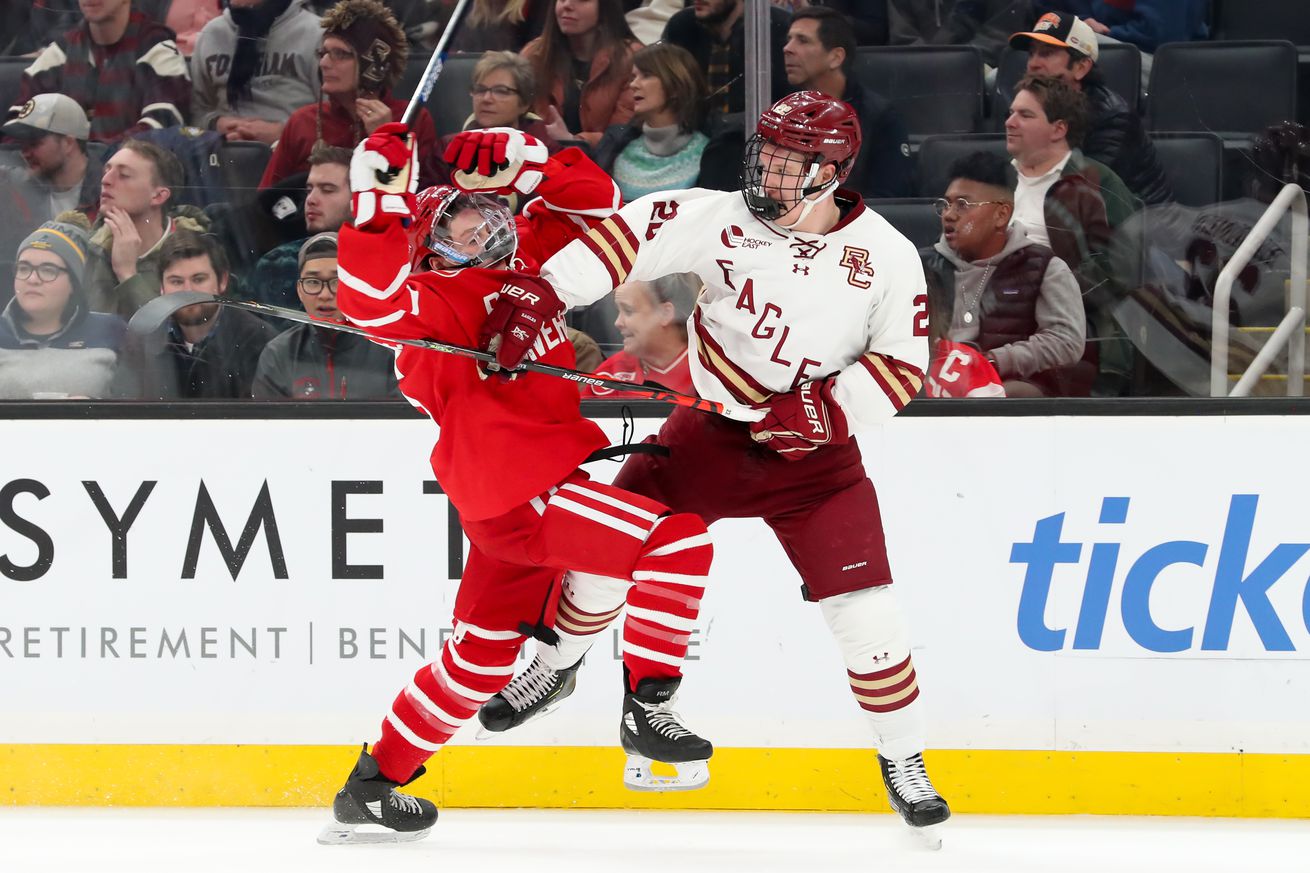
(121, 66)
(362, 58)
(648, 20)
(820, 56)
(51, 344)
(186, 18)
(206, 351)
(1147, 24)
(136, 216)
(653, 323)
(499, 25)
(1011, 297)
(315, 363)
(1063, 46)
(503, 90)
(327, 207)
(661, 148)
(1063, 199)
(51, 130)
(714, 31)
(1071, 203)
(583, 64)
(983, 24)
(253, 67)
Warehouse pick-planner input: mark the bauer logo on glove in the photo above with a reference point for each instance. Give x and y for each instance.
(801, 421)
(384, 175)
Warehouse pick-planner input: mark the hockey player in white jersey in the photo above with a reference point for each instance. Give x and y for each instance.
(814, 317)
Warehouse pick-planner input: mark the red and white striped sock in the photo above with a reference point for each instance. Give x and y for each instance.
(474, 664)
(664, 602)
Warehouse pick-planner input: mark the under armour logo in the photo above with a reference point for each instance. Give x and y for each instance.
(801, 268)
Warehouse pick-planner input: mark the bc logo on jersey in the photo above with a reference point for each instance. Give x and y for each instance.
(856, 260)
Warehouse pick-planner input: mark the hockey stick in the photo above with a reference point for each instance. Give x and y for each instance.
(152, 316)
(433, 70)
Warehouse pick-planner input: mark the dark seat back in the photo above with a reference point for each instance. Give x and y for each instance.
(1193, 163)
(11, 75)
(243, 166)
(449, 103)
(1234, 89)
(912, 216)
(936, 89)
(1262, 19)
(937, 153)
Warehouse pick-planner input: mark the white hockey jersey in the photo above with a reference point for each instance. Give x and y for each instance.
(778, 309)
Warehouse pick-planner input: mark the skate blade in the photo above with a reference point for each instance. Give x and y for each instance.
(930, 837)
(337, 834)
(637, 776)
(485, 734)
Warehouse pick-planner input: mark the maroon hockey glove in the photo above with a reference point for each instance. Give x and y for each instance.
(802, 420)
(522, 310)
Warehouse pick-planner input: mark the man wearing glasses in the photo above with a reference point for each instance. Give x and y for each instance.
(313, 363)
(1002, 301)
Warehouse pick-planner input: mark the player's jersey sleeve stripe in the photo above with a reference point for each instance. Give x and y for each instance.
(603, 256)
(376, 293)
(736, 380)
(614, 243)
(898, 380)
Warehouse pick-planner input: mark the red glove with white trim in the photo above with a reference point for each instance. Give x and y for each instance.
(384, 176)
(525, 305)
(499, 160)
(802, 420)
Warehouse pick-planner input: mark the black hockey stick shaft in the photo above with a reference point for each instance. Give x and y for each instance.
(435, 63)
(156, 312)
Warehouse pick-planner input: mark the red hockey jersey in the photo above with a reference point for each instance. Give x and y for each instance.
(501, 443)
(629, 368)
(960, 370)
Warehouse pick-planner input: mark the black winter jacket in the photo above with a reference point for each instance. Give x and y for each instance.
(1116, 138)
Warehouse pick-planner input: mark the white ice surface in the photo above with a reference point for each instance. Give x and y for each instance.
(34, 840)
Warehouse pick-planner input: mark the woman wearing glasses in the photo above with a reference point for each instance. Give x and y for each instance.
(311, 363)
(361, 60)
(51, 346)
(502, 92)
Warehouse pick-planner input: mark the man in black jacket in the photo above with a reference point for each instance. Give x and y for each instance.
(714, 31)
(819, 56)
(205, 352)
(1062, 45)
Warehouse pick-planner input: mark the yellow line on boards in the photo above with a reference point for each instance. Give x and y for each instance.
(993, 782)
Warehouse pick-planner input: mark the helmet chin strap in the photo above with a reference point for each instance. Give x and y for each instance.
(808, 205)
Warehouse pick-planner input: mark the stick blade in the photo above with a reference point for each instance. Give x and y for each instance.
(152, 316)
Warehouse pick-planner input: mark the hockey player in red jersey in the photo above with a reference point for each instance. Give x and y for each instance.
(507, 456)
(814, 317)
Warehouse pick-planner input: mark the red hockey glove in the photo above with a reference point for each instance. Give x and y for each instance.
(384, 176)
(499, 160)
(522, 310)
(802, 420)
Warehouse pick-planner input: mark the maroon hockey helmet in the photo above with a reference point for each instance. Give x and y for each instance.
(488, 239)
(823, 129)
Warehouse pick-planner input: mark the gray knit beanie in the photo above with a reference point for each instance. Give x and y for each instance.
(66, 240)
(320, 245)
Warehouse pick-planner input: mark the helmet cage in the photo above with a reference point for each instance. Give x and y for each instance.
(489, 241)
(791, 173)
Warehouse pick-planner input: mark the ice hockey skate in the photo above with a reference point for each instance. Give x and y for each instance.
(369, 809)
(533, 693)
(912, 795)
(651, 731)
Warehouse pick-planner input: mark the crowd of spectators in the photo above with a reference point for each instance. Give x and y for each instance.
(1059, 246)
